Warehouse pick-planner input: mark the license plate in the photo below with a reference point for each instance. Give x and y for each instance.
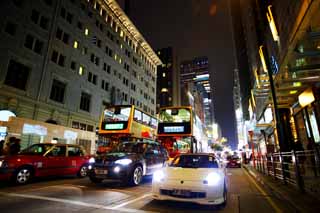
(101, 171)
(181, 192)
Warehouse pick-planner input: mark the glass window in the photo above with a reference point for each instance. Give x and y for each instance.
(57, 91)
(37, 149)
(58, 151)
(137, 115)
(17, 75)
(154, 122)
(117, 114)
(146, 119)
(74, 151)
(175, 115)
(195, 161)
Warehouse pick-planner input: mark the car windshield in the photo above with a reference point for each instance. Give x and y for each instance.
(195, 161)
(130, 147)
(36, 149)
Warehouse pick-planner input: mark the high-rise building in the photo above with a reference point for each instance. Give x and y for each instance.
(168, 90)
(195, 78)
(63, 61)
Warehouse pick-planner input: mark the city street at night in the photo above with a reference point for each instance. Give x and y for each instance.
(80, 195)
(159, 106)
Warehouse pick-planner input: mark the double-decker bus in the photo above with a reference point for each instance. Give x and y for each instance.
(124, 122)
(180, 130)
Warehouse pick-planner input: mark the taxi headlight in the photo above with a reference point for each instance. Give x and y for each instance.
(123, 161)
(92, 160)
(158, 176)
(213, 179)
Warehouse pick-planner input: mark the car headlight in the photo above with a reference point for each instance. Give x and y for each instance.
(212, 179)
(92, 160)
(124, 161)
(238, 161)
(158, 176)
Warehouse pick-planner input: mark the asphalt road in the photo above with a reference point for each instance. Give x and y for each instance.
(70, 194)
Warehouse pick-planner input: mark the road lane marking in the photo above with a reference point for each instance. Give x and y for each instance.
(131, 201)
(73, 202)
(266, 196)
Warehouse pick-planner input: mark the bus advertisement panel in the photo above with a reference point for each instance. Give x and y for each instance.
(122, 122)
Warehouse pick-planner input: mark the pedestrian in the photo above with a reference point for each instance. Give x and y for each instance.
(1, 147)
(15, 147)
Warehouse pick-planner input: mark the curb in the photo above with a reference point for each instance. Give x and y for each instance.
(276, 192)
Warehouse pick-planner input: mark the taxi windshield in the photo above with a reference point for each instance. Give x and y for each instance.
(36, 149)
(195, 161)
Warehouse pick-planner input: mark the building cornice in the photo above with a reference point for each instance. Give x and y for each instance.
(126, 22)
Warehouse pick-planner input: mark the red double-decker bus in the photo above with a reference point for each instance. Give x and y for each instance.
(176, 130)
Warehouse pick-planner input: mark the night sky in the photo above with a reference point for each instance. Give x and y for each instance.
(194, 28)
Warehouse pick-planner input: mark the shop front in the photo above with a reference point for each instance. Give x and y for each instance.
(31, 132)
(307, 119)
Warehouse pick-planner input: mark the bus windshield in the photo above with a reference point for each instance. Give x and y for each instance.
(175, 115)
(117, 113)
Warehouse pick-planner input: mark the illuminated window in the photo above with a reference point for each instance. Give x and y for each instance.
(115, 56)
(81, 70)
(121, 33)
(86, 31)
(164, 74)
(121, 46)
(75, 45)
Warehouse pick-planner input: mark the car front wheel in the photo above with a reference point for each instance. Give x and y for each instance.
(83, 171)
(23, 176)
(136, 176)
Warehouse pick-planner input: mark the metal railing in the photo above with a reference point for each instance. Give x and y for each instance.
(299, 168)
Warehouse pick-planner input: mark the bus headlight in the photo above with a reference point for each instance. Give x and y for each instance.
(123, 161)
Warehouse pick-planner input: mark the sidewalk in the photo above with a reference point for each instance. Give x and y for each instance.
(302, 202)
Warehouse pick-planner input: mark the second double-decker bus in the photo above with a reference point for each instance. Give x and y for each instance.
(179, 130)
(124, 122)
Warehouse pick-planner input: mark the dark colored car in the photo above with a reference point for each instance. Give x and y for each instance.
(128, 162)
(44, 159)
(233, 162)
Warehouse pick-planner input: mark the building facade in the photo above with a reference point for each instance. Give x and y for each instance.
(168, 78)
(284, 44)
(195, 78)
(62, 62)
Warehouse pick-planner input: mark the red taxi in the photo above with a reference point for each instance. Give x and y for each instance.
(45, 159)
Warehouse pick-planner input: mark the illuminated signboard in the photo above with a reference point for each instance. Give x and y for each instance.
(171, 129)
(34, 129)
(114, 126)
